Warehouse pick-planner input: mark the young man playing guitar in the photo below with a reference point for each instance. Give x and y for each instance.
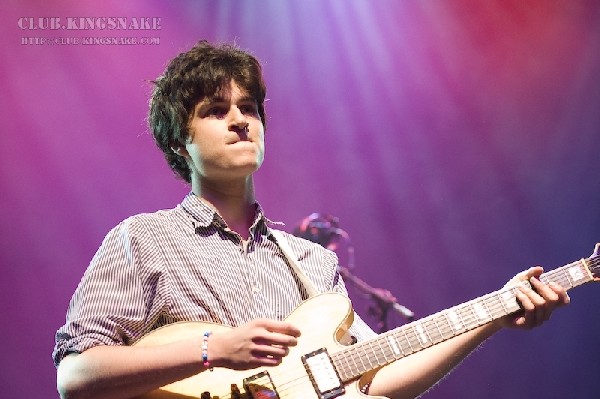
(213, 258)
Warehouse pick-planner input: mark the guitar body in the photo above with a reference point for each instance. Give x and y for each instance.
(323, 321)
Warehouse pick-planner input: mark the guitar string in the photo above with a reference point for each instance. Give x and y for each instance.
(470, 320)
(494, 305)
(285, 388)
(495, 308)
(416, 340)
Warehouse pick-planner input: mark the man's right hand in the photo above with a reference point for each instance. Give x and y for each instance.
(261, 342)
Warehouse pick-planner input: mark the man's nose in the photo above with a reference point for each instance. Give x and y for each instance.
(238, 119)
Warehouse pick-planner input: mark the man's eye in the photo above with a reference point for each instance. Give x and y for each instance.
(249, 110)
(217, 112)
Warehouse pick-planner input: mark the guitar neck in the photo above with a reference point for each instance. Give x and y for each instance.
(395, 344)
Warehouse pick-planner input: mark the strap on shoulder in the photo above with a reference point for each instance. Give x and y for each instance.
(293, 262)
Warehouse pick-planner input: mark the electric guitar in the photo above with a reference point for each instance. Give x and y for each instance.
(319, 367)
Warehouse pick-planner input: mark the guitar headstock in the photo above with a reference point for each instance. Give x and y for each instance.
(593, 263)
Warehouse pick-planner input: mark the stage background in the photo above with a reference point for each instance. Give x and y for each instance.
(457, 142)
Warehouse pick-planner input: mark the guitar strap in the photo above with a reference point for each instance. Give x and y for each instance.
(347, 338)
(281, 241)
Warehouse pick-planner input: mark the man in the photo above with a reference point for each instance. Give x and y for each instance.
(213, 258)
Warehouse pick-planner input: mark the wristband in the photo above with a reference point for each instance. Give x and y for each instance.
(205, 361)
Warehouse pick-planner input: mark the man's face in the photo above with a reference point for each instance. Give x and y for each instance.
(226, 137)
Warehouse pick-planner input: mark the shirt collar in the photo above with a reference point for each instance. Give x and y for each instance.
(205, 215)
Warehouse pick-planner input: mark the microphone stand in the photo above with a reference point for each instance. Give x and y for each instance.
(383, 300)
(325, 231)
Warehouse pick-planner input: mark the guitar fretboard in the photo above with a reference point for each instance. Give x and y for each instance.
(368, 355)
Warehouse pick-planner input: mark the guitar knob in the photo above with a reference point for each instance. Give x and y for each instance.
(235, 392)
(205, 395)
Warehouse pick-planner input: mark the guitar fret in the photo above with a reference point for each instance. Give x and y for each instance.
(437, 327)
(491, 306)
(396, 348)
(431, 329)
(371, 350)
(474, 317)
(498, 307)
(420, 334)
(468, 317)
(480, 312)
(384, 352)
(381, 353)
(503, 300)
(446, 326)
(372, 354)
(387, 350)
(458, 311)
(507, 301)
(454, 320)
(347, 367)
(556, 276)
(546, 278)
(426, 330)
(559, 276)
(405, 343)
(365, 367)
(485, 309)
(565, 280)
(353, 357)
(409, 341)
(578, 275)
(569, 280)
(376, 350)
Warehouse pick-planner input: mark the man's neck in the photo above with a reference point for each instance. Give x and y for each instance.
(235, 202)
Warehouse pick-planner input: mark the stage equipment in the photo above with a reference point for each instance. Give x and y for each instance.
(324, 230)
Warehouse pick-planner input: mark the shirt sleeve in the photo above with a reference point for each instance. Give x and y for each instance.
(112, 304)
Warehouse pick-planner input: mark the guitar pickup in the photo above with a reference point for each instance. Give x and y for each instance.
(323, 374)
(261, 386)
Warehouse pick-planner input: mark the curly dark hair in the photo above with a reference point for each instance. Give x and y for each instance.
(203, 71)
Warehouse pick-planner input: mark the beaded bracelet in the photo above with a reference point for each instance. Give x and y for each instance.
(205, 348)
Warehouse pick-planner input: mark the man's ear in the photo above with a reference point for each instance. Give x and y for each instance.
(180, 150)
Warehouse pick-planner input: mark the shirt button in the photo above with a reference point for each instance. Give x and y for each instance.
(255, 289)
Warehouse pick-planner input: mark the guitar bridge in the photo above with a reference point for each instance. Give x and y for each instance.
(260, 386)
(323, 374)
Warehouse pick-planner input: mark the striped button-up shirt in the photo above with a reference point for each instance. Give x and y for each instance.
(184, 264)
